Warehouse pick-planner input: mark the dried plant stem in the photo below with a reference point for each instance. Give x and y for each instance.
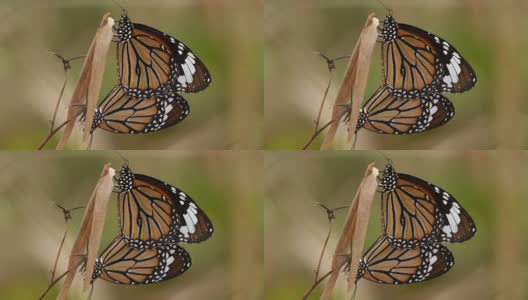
(52, 283)
(322, 253)
(323, 101)
(355, 80)
(51, 134)
(66, 65)
(316, 133)
(53, 271)
(89, 84)
(59, 101)
(316, 129)
(316, 283)
(354, 230)
(90, 232)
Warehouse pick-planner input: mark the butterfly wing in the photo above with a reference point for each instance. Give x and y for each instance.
(416, 62)
(122, 264)
(194, 225)
(121, 113)
(415, 212)
(455, 73)
(383, 263)
(149, 60)
(153, 212)
(456, 224)
(383, 113)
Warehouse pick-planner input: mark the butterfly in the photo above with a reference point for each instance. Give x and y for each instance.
(416, 212)
(122, 264)
(416, 62)
(150, 61)
(152, 212)
(384, 113)
(384, 263)
(121, 113)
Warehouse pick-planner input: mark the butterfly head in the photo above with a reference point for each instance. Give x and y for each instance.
(123, 32)
(388, 181)
(362, 119)
(98, 269)
(97, 119)
(362, 267)
(125, 180)
(388, 31)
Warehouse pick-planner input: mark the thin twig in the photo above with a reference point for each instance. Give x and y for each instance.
(66, 65)
(322, 253)
(331, 217)
(51, 134)
(354, 230)
(67, 211)
(53, 271)
(354, 80)
(52, 284)
(331, 68)
(323, 102)
(315, 134)
(316, 283)
(58, 102)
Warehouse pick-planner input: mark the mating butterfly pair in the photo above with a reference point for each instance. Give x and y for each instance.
(417, 67)
(154, 217)
(417, 216)
(151, 67)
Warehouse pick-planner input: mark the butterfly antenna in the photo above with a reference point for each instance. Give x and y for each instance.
(122, 157)
(122, 8)
(389, 11)
(389, 161)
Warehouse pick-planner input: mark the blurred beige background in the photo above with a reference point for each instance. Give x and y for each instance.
(221, 33)
(492, 265)
(489, 34)
(227, 266)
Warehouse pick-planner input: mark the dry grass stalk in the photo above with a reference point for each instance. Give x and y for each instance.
(356, 77)
(354, 231)
(91, 231)
(89, 84)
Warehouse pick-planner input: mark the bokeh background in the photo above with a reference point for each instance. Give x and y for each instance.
(489, 34)
(226, 266)
(492, 265)
(221, 33)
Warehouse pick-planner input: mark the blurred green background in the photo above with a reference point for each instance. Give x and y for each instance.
(489, 34)
(492, 265)
(32, 227)
(31, 76)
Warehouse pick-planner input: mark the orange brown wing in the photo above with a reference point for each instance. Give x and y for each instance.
(152, 212)
(149, 60)
(122, 264)
(383, 113)
(121, 113)
(416, 62)
(386, 264)
(415, 212)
